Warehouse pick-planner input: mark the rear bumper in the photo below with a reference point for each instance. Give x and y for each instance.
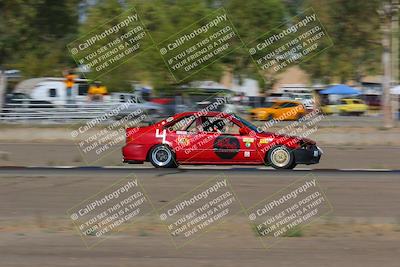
(307, 156)
(133, 153)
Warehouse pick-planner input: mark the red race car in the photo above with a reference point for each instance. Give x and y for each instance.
(215, 138)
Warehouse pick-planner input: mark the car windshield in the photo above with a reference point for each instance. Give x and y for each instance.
(248, 124)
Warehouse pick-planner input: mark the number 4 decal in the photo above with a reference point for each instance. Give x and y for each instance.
(163, 135)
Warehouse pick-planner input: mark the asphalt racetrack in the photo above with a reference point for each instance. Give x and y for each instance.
(363, 228)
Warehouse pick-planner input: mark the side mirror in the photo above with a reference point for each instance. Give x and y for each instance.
(243, 131)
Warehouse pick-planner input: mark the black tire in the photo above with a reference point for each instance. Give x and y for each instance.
(162, 156)
(281, 157)
(291, 167)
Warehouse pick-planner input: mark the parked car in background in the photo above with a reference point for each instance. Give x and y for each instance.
(372, 100)
(306, 99)
(21, 100)
(304, 96)
(172, 105)
(53, 90)
(133, 105)
(281, 110)
(346, 106)
(277, 96)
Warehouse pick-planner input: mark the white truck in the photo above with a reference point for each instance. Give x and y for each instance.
(53, 90)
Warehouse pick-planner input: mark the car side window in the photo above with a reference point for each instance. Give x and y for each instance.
(206, 124)
(192, 127)
(219, 125)
(284, 105)
(52, 92)
(231, 127)
(291, 105)
(182, 124)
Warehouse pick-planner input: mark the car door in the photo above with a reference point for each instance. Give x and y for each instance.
(221, 141)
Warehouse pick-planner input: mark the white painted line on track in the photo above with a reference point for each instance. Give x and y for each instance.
(198, 167)
(127, 167)
(370, 170)
(60, 167)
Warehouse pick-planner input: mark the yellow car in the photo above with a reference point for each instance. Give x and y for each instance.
(282, 110)
(346, 106)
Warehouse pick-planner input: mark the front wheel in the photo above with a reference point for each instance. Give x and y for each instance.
(280, 157)
(161, 156)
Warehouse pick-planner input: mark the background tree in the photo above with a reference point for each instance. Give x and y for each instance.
(33, 34)
(354, 27)
(252, 19)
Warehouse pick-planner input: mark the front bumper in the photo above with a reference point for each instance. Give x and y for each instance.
(310, 155)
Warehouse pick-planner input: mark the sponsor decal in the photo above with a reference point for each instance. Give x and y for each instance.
(170, 119)
(248, 140)
(248, 144)
(181, 132)
(226, 147)
(247, 154)
(185, 141)
(266, 140)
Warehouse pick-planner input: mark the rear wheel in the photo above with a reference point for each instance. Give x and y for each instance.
(280, 157)
(161, 156)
